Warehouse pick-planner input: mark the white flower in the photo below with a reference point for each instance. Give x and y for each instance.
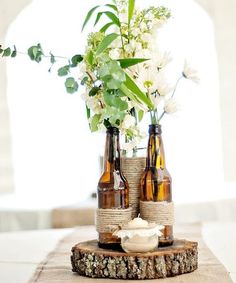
(190, 73)
(143, 26)
(82, 70)
(170, 106)
(163, 86)
(123, 17)
(156, 100)
(116, 43)
(135, 32)
(146, 37)
(162, 59)
(147, 79)
(133, 46)
(128, 122)
(92, 103)
(114, 53)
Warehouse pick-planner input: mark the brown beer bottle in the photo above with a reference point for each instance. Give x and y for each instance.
(156, 187)
(113, 190)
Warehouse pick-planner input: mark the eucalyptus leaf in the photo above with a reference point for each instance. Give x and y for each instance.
(63, 71)
(35, 53)
(112, 75)
(6, 52)
(94, 122)
(76, 59)
(14, 53)
(115, 101)
(89, 15)
(94, 91)
(106, 42)
(128, 62)
(52, 58)
(84, 80)
(71, 85)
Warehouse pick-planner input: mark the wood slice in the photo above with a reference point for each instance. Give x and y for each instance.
(89, 260)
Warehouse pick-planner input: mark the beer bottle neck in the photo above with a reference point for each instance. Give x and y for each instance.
(112, 150)
(155, 150)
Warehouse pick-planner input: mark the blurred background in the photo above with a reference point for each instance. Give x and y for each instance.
(49, 160)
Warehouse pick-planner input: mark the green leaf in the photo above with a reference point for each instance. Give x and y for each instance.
(94, 122)
(140, 115)
(128, 93)
(112, 75)
(90, 57)
(112, 7)
(76, 59)
(106, 27)
(35, 53)
(52, 58)
(63, 71)
(71, 85)
(106, 42)
(88, 112)
(6, 52)
(94, 91)
(113, 17)
(131, 10)
(128, 62)
(89, 15)
(115, 101)
(1, 50)
(131, 85)
(98, 18)
(84, 80)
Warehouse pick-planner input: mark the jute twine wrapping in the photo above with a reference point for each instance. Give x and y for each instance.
(132, 168)
(108, 220)
(159, 212)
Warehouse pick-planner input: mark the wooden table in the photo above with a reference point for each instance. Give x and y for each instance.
(21, 252)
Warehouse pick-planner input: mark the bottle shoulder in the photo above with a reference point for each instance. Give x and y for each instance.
(112, 180)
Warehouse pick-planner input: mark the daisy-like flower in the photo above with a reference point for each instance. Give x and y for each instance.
(190, 73)
(163, 87)
(171, 106)
(161, 59)
(147, 79)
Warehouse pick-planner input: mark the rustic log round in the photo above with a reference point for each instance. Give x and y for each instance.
(89, 260)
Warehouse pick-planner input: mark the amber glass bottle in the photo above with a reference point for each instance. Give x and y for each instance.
(156, 180)
(113, 190)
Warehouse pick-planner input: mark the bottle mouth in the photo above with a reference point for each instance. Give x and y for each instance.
(155, 129)
(113, 130)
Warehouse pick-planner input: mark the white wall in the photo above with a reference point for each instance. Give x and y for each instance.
(222, 13)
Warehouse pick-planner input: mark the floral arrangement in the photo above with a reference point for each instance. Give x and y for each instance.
(122, 72)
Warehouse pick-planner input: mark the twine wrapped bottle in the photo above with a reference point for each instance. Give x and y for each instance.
(133, 168)
(113, 194)
(156, 193)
